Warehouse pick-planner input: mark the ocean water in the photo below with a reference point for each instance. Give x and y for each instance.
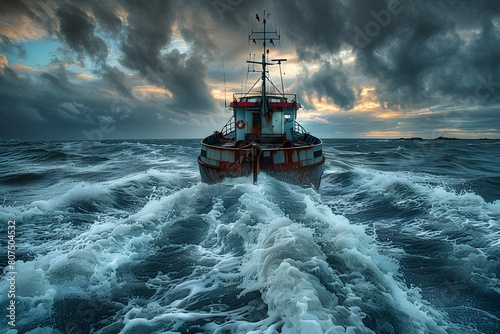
(122, 237)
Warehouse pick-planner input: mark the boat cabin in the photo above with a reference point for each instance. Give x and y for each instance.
(265, 123)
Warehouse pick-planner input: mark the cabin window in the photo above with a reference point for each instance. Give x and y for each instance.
(274, 99)
(253, 99)
(256, 119)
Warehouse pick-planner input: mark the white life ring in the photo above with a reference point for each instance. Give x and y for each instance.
(240, 124)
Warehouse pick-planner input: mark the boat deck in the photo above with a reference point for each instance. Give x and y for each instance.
(218, 140)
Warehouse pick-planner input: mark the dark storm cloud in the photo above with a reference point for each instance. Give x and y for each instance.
(148, 31)
(333, 83)
(50, 106)
(314, 27)
(78, 31)
(426, 50)
(143, 47)
(57, 78)
(144, 40)
(196, 23)
(186, 78)
(24, 102)
(117, 79)
(319, 31)
(105, 13)
(416, 54)
(11, 82)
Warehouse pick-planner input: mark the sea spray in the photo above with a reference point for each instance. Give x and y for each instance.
(122, 237)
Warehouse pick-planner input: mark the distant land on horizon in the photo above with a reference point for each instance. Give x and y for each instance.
(445, 138)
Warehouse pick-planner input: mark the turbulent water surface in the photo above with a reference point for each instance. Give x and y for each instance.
(122, 237)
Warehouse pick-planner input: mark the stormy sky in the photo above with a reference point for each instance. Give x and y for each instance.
(154, 69)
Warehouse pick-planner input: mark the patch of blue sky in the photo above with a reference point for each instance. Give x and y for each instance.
(39, 53)
(178, 43)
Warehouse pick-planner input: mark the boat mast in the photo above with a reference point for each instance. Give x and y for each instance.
(261, 36)
(264, 64)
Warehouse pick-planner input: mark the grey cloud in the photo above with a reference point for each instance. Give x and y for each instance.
(58, 80)
(143, 41)
(143, 48)
(78, 31)
(49, 106)
(314, 27)
(11, 82)
(186, 78)
(7, 46)
(105, 13)
(196, 24)
(149, 30)
(428, 53)
(117, 79)
(415, 52)
(421, 56)
(40, 13)
(201, 40)
(332, 82)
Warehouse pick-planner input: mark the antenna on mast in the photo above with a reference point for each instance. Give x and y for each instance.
(281, 74)
(267, 38)
(224, 71)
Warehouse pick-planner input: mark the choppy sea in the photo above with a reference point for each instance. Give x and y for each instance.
(403, 236)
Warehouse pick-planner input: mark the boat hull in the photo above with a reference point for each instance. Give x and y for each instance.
(283, 164)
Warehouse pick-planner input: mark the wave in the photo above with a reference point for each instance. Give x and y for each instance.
(448, 234)
(245, 260)
(387, 245)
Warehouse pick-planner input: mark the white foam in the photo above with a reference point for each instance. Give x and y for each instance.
(34, 294)
(289, 268)
(287, 261)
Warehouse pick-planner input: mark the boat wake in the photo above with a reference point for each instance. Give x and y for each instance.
(232, 257)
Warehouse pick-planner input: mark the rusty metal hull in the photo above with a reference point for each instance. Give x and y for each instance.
(301, 165)
(304, 176)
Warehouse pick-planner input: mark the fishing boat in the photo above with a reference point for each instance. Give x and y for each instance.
(263, 135)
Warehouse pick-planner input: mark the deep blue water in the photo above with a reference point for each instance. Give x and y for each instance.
(122, 237)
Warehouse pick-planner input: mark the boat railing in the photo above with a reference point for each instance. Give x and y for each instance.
(228, 129)
(298, 131)
(248, 97)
